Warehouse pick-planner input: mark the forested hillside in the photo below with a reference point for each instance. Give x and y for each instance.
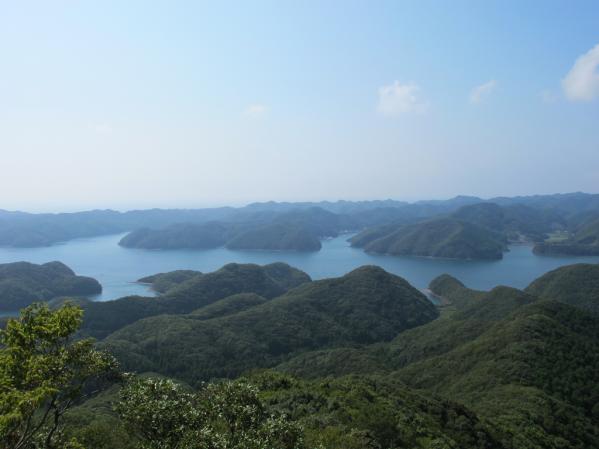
(360, 361)
(22, 283)
(442, 237)
(365, 306)
(584, 241)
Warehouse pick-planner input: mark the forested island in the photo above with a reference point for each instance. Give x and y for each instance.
(364, 360)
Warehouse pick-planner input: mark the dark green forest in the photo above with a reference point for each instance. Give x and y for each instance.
(360, 361)
(22, 283)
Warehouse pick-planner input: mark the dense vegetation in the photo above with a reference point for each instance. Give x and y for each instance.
(187, 235)
(525, 366)
(359, 361)
(357, 412)
(442, 237)
(577, 285)
(278, 236)
(269, 281)
(451, 291)
(228, 306)
(583, 242)
(162, 282)
(43, 373)
(520, 219)
(519, 370)
(516, 221)
(365, 306)
(22, 283)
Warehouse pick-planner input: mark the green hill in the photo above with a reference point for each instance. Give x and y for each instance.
(361, 239)
(416, 344)
(533, 374)
(365, 306)
(228, 306)
(443, 237)
(358, 412)
(355, 412)
(451, 291)
(269, 281)
(22, 283)
(577, 285)
(515, 221)
(378, 367)
(188, 235)
(584, 242)
(527, 367)
(278, 236)
(474, 231)
(162, 282)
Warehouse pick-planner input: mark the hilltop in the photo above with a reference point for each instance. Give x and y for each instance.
(577, 285)
(22, 283)
(365, 306)
(193, 292)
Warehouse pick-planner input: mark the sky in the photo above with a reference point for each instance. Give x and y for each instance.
(192, 104)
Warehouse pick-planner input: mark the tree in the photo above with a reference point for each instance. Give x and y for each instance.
(43, 373)
(227, 415)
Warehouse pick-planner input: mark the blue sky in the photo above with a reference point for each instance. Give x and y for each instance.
(188, 104)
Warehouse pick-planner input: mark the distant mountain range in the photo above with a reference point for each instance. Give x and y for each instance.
(462, 227)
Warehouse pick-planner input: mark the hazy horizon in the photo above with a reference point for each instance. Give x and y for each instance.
(188, 105)
(125, 208)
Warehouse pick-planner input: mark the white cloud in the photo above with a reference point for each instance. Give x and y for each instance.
(396, 99)
(480, 93)
(256, 110)
(582, 81)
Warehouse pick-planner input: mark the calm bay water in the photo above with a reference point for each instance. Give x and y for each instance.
(118, 268)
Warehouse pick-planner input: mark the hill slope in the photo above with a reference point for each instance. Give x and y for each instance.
(577, 285)
(516, 221)
(584, 242)
(22, 283)
(278, 236)
(528, 367)
(533, 374)
(365, 306)
(269, 281)
(177, 236)
(443, 237)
